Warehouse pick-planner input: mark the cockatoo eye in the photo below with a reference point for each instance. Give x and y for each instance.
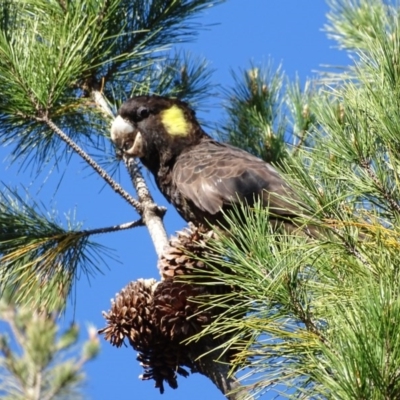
(143, 112)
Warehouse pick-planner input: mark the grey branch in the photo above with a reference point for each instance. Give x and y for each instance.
(74, 146)
(114, 228)
(152, 214)
(101, 102)
(219, 374)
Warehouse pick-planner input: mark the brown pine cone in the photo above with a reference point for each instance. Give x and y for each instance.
(157, 317)
(176, 259)
(129, 315)
(176, 312)
(144, 316)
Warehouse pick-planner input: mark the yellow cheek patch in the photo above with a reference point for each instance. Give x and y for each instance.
(175, 122)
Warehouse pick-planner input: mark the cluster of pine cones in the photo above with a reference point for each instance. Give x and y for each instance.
(156, 317)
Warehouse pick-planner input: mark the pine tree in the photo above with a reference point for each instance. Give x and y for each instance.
(311, 318)
(36, 361)
(320, 318)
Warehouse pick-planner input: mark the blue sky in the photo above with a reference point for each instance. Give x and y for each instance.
(253, 31)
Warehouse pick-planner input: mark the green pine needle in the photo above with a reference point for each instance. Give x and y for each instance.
(39, 259)
(256, 121)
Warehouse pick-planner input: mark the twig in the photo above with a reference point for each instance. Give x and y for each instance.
(101, 102)
(306, 318)
(366, 165)
(74, 146)
(351, 248)
(300, 142)
(151, 213)
(37, 385)
(114, 228)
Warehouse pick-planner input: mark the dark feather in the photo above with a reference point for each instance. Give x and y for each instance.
(213, 176)
(197, 174)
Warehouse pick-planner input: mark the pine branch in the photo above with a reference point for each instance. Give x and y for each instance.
(114, 228)
(305, 317)
(219, 373)
(384, 192)
(156, 24)
(352, 249)
(39, 259)
(89, 160)
(152, 214)
(97, 96)
(256, 119)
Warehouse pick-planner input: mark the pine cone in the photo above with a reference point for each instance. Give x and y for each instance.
(157, 317)
(176, 259)
(135, 315)
(176, 313)
(129, 315)
(162, 362)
